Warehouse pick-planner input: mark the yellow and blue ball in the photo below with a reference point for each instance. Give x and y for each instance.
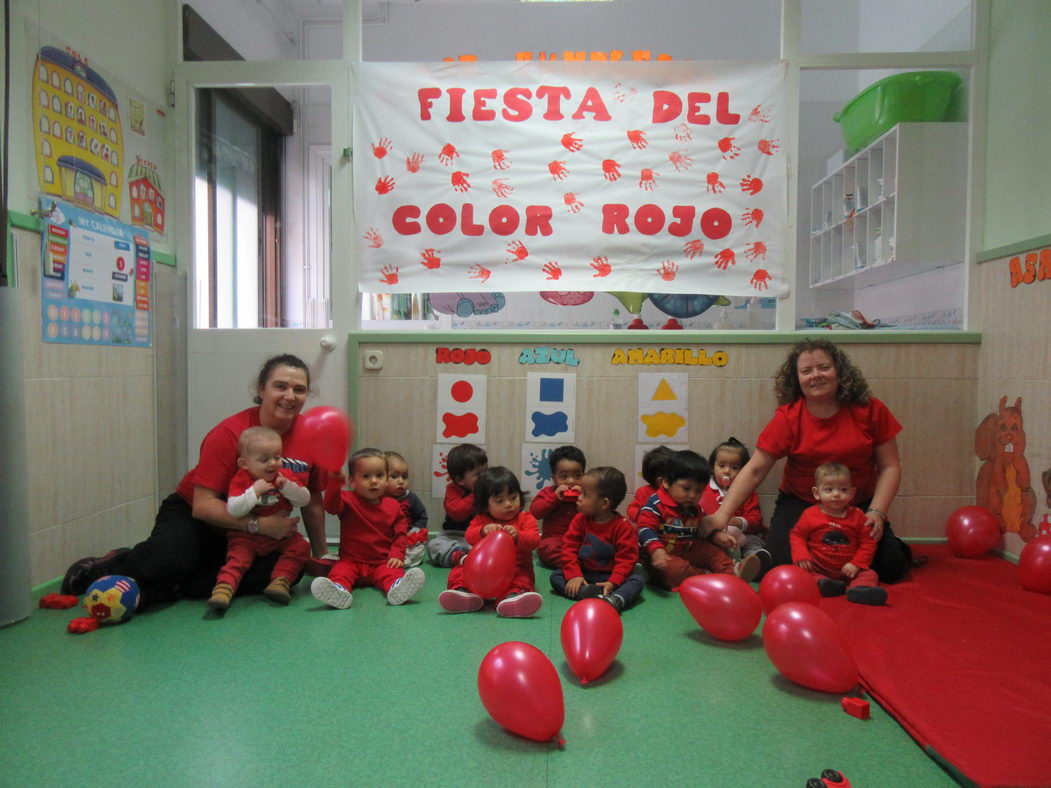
(112, 599)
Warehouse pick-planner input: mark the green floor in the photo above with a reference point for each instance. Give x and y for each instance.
(387, 696)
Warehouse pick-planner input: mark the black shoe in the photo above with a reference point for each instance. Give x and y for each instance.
(614, 599)
(590, 591)
(829, 587)
(867, 595)
(87, 570)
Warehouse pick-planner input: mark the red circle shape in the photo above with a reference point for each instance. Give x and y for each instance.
(462, 391)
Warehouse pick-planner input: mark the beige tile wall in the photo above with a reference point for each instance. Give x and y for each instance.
(929, 387)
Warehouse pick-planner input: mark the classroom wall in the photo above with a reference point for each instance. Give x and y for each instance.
(396, 407)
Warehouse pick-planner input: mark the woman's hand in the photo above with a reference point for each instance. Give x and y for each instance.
(723, 539)
(874, 522)
(277, 526)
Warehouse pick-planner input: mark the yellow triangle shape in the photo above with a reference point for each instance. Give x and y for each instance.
(663, 391)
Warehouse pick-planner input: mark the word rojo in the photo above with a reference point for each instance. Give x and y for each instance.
(1036, 268)
(683, 356)
(549, 355)
(459, 355)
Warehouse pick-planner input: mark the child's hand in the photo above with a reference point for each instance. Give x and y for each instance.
(806, 564)
(849, 570)
(395, 563)
(280, 481)
(573, 587)
(660, 558)
(512, 530)
(488, 528)
(723, 539)
(262, 487)
(607, 587)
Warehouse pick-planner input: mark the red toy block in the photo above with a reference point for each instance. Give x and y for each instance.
(570, 495)
(856, 707)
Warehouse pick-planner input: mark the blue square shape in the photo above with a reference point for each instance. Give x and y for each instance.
(552, 389)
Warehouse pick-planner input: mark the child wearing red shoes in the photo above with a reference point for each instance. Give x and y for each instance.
(556, 505)
(261, 487)
(652, 470)
(372, 535)
(498, 502)
(411, 506)
(831, 541)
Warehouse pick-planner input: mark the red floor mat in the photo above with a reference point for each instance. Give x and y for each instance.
(961, 656)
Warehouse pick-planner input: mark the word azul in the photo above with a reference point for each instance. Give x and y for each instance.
(549, 355)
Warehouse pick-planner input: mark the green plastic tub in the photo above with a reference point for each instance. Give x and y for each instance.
(914, 97)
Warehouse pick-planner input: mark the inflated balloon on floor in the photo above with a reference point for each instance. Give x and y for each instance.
(327, 431)
(1034, 565)
(490, 566)
(787, 583)
(809, 648)
(972, 531)
(520, 689)
(724, 606)
(592, 633)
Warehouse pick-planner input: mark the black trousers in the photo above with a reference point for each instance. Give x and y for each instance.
(181, 557)
(892, 560)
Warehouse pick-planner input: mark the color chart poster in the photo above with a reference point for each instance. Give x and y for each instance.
(461, 409)
(663, 407)
(95, 279)
(551, 407)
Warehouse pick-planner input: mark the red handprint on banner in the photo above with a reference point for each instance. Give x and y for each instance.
(429, 258)
(571, 143)
(414, 162)
(573, 204)
(754, 251)
(622, 94)
(384, 184)
(460, 182)
(502, 188)
(448, 153)
(754, 216)
(648, 179)
(729, 148)
(479, 272)
(381, 148)
(760, 278)
(668, 270)
(558, 170)
(500, 160)
(601, 266)
(715, 186)
(683, 133)
(611, 170)
(751, 185)
(518, 252)
(390, 274)
(725, 258)
(769, 147)
(373, 238)
(553, 270)
(693, 248)
(757, 115)
(637, 138)
(681, 161)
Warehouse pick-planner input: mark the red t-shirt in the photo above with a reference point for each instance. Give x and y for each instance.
(590, 546)
(369, 533)
(833, 542)
(528, 537)
(849, 437)
(217, 464)
(556, 513)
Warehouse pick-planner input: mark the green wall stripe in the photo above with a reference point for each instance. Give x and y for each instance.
(26, 221)
(666, 338)
(1038, 242)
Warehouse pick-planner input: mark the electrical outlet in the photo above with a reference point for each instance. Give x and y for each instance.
(372, 359)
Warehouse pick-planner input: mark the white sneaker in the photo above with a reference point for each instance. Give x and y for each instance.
(455, 601)
(748, 568)
(405, 587)
(520, 605)
(332, 594)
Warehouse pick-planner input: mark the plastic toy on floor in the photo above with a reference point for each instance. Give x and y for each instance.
(112, 599)
(830, 778)
(58, 601)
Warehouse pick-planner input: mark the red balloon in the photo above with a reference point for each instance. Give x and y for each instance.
(725, 606)
(327, 431)
(788, 583)
(809, 648)
(1034, 565)
(591, 636)
(520, 689)
(490, 566)
(972, 531)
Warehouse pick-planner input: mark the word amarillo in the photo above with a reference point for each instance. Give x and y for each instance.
(549, 355)
(517, 105)
(1032, 270)
(459, 355)
(649, 219)
(670, 355)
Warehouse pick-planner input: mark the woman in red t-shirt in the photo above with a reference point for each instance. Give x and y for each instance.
(188, 541)
(826, 414)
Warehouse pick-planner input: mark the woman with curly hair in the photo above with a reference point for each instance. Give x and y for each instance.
(826, 414)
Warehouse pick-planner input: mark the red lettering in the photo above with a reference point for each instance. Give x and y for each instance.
(441, 218)
(649, 219)
(666, 106)
(401, 220)
(554, 95)
(1030, 268)
(716, 223)
(503, 220)
(1045, 265)
(592, 102)
(467, 223)
(693, 106)
(1016, 271)
(516, 104)
(614, 218)
(426, 97)
(481, 112)
(456, 355)
(574, 56)
(722, 111)
(538, 220)
(455, 105)
(469, 355)
(684, 214)
(484, 356)
(441, 355)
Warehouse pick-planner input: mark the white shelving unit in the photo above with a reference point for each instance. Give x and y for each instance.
(894, 209)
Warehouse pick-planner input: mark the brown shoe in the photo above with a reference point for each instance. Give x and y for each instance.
(279, 591)
(222, 594)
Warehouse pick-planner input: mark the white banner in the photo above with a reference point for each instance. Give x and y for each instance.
(664, 177)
